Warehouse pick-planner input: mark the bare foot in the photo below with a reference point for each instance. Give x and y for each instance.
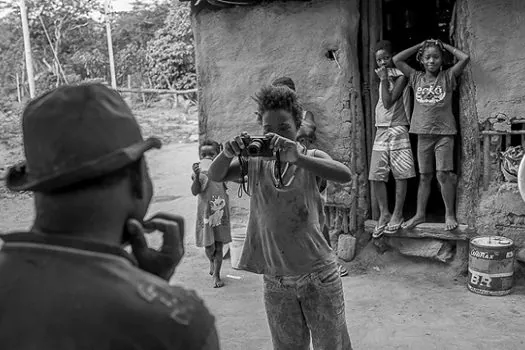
(395, 220)
(383, 220)
(212, 267)
(413, 222)
(450, 223)
(217, 283)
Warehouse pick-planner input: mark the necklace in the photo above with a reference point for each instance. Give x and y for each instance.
(279, 174)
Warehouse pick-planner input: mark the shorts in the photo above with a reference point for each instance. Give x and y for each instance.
(392, 152)
(435, 150)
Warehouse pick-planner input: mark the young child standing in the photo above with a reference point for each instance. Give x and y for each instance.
(391, 151)
(433, 122)
(303, 291)
(213, 216)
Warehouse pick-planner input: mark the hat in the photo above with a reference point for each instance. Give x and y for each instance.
(76, 133)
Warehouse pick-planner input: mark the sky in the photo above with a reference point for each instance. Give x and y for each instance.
(118, 5)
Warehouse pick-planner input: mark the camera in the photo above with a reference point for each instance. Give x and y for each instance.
(256, 146)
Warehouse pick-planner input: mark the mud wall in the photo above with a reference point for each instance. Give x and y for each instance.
(502, 212)
(240, 49)
(493, 33)
(495, 30)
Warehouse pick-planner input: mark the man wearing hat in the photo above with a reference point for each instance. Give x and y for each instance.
(68, 283)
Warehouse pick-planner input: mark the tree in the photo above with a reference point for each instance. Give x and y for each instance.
(132, 32)
(154, 42)
(171, 57)
(11, 50)
(66, 39)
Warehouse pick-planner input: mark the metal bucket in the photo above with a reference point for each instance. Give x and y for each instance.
(236, 246)
(491, 265)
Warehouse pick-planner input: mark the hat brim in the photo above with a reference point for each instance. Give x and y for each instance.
(18, 179)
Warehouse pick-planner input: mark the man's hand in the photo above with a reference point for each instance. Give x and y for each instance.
(161, 263)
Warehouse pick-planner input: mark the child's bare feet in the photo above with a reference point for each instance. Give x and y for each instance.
(384, 219)
(396, 220)
(413, 222)
(381, 225)
(217, 283)
(212, 267)
(450, 223)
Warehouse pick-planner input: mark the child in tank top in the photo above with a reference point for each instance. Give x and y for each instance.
(303, 291)
(306, 136)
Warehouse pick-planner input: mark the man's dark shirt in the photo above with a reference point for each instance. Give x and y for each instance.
(59, 293)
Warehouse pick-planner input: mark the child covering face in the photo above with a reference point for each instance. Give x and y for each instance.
(433, 122)
(303, 292)
(213, 213)
(391, 151)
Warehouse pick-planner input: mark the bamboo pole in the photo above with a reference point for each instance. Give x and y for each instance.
(353, 165)
(18, 93)
(374, 36)
(110, 46)
(157, 91)
(367, 106)
(27, 49)
(512, 132)
(486, 161)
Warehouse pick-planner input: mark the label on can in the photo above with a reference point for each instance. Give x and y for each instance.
(491, 283)
(490, 255)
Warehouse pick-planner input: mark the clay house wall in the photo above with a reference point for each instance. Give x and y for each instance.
(240, 49)
(492, 99)
(325, 46)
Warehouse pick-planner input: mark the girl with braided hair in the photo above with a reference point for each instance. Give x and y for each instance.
(433, 122)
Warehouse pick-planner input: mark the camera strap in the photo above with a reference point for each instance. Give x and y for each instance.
(244, 186)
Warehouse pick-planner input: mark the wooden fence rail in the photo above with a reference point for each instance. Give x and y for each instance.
(157, 91)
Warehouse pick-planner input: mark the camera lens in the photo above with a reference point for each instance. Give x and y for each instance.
(255, 147)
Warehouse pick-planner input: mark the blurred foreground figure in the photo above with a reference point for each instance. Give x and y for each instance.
(68, 283)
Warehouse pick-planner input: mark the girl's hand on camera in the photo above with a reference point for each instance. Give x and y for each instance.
(288, 149)
(233, 148)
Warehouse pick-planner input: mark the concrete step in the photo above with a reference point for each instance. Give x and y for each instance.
(428, 230)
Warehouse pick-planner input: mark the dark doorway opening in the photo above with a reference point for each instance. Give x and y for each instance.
(406, 23)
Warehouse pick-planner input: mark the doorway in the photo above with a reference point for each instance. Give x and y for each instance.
(406, 23)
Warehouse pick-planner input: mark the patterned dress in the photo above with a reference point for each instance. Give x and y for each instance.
(213, 213)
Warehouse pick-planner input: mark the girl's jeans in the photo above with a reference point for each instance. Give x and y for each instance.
(298, 306)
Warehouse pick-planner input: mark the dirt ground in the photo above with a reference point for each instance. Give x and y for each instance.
(391, 302)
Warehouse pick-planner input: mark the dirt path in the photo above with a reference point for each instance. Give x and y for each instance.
(393, 308)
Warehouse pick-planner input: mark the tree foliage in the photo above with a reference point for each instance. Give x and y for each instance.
(171, 55)
(153, 44)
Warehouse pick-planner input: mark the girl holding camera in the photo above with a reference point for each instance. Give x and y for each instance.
(303, 292)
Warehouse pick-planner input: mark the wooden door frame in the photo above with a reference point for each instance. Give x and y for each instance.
(371, 29)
